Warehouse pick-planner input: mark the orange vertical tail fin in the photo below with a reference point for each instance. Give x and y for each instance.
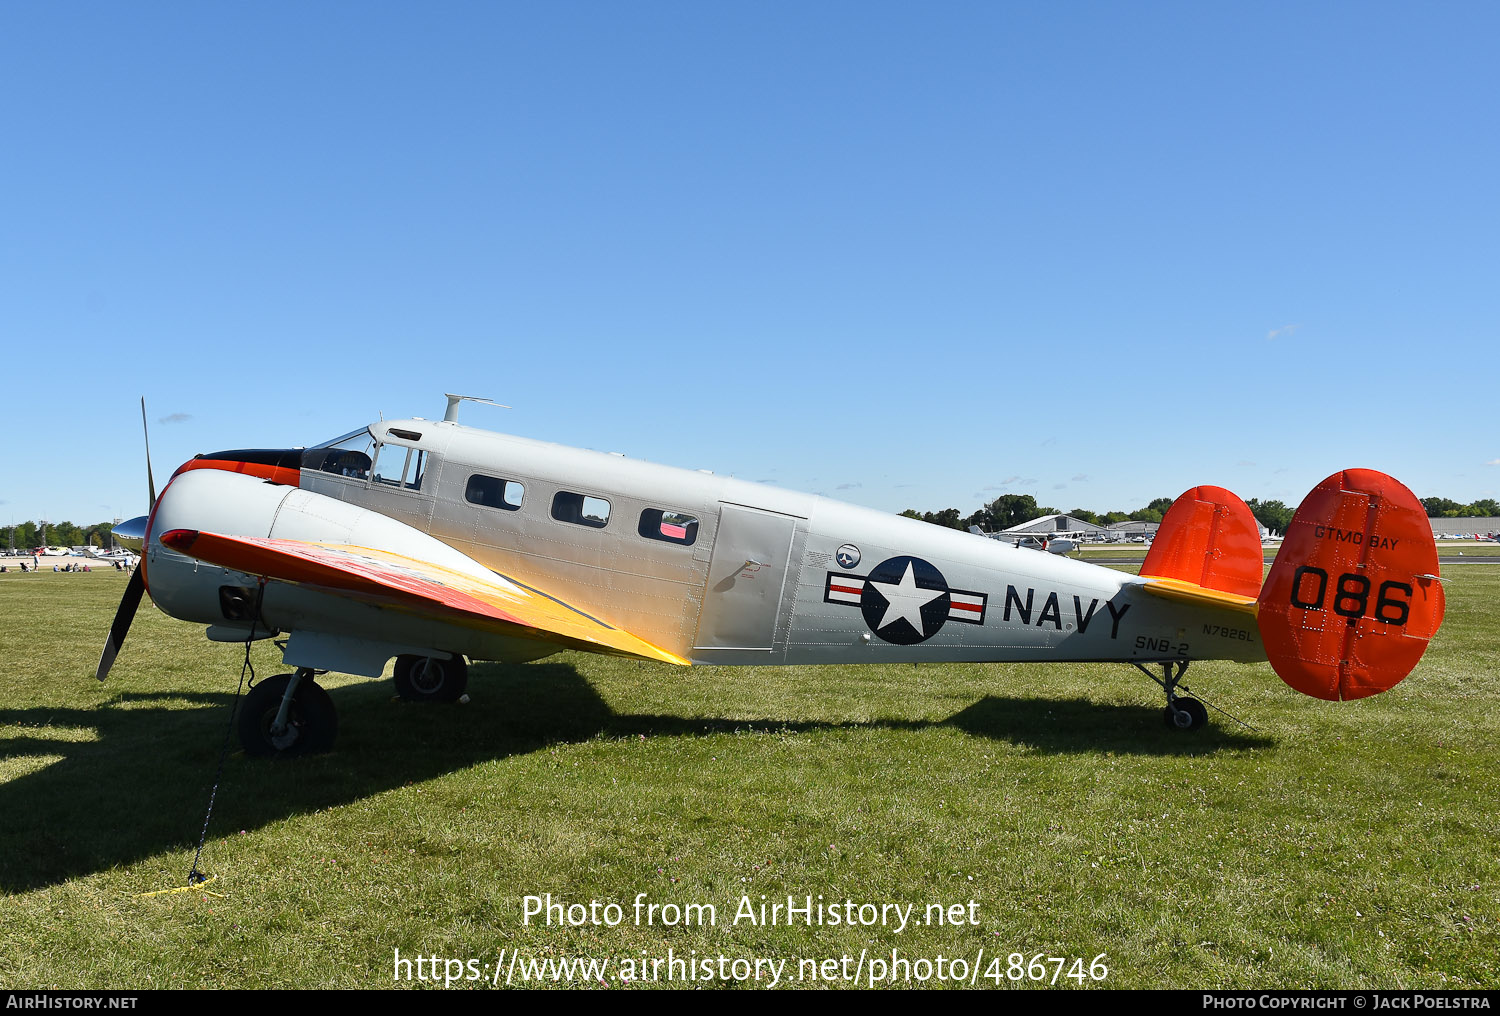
(1208, 538)
(1353, 597)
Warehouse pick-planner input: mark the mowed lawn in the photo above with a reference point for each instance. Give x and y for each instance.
(1333, 845)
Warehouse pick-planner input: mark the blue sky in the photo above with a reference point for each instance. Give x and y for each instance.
(905, 255)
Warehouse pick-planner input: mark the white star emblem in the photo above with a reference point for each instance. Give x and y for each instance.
(905, 600)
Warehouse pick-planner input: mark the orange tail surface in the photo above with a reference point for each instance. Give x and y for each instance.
(1353, 597)
(1208, 538)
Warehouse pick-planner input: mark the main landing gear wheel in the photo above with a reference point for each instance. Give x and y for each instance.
(431, 679)
(1185, 714)
(310, 722)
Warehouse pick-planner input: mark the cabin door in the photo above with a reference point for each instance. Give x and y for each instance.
(746, 579)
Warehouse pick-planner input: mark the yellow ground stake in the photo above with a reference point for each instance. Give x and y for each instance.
(186, 889)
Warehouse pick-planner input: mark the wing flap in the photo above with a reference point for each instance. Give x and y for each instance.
(421, 587)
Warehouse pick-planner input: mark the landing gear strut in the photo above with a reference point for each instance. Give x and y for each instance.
(1180, 713)
(286, 716)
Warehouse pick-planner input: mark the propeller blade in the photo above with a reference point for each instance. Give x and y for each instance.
(150, 482)
(121, 626)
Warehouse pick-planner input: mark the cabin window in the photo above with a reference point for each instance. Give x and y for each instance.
(580, 509)
(493, 492)
(398, 466)
(669, 526)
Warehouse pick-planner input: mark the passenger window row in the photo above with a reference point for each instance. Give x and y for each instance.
(582, 509)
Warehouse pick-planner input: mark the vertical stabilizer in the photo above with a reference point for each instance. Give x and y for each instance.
(1353, 597)
(1208, 538)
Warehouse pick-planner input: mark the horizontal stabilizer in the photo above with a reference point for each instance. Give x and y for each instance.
(1200, 596)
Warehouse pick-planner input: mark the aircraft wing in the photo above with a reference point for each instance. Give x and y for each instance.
(493, 603)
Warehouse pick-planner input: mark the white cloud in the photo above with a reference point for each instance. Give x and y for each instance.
(1283, 330)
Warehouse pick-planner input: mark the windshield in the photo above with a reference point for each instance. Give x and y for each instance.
(349, 455)
(342, 440)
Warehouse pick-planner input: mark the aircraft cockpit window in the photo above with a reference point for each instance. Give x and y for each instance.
(349, 455)
(493, 492)
(672, 527)
(398, 466)
(580, 509)
(349, 440)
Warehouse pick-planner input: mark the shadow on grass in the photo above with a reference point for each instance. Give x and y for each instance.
(140, 787)
(1066, 726)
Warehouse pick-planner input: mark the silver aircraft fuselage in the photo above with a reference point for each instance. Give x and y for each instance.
(768, 576)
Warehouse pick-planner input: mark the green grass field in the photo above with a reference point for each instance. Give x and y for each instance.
(1334, 845)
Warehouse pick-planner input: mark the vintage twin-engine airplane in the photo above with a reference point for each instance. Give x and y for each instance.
(430, 542)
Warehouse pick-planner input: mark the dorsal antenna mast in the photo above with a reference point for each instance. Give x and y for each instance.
(451, 416)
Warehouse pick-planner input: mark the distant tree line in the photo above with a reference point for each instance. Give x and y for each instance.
(1442, 508)
(1014, 509)
(28, 535)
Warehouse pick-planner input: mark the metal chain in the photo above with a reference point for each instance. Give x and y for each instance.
(195, 876)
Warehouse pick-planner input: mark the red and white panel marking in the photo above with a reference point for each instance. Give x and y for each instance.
(966, 607)
(844, 589)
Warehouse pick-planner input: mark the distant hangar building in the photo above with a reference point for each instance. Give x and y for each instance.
(1131, 529)
(1052, 527)
(1464, 527)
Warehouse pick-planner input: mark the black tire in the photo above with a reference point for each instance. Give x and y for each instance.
(1195, 711)
(312, 721)
(430, 678)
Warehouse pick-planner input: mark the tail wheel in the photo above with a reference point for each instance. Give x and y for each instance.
(431, 678)
(312, 723)
(1185, 714)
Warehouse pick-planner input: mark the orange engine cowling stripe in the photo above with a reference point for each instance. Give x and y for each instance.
(276, 474)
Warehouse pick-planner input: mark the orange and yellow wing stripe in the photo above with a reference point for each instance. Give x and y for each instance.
(365, 573)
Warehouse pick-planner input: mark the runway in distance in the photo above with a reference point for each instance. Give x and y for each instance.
(434, 543)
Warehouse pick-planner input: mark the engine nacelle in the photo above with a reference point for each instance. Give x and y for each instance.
(328, 631)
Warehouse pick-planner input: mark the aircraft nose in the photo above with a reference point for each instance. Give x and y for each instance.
(131, 534)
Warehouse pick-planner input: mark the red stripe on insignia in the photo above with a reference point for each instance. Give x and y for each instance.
(975, 607)
(856, 590)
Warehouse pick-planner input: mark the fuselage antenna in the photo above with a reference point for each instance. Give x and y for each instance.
(451, 416)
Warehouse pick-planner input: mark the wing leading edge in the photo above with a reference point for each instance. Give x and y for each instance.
(419, 587)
